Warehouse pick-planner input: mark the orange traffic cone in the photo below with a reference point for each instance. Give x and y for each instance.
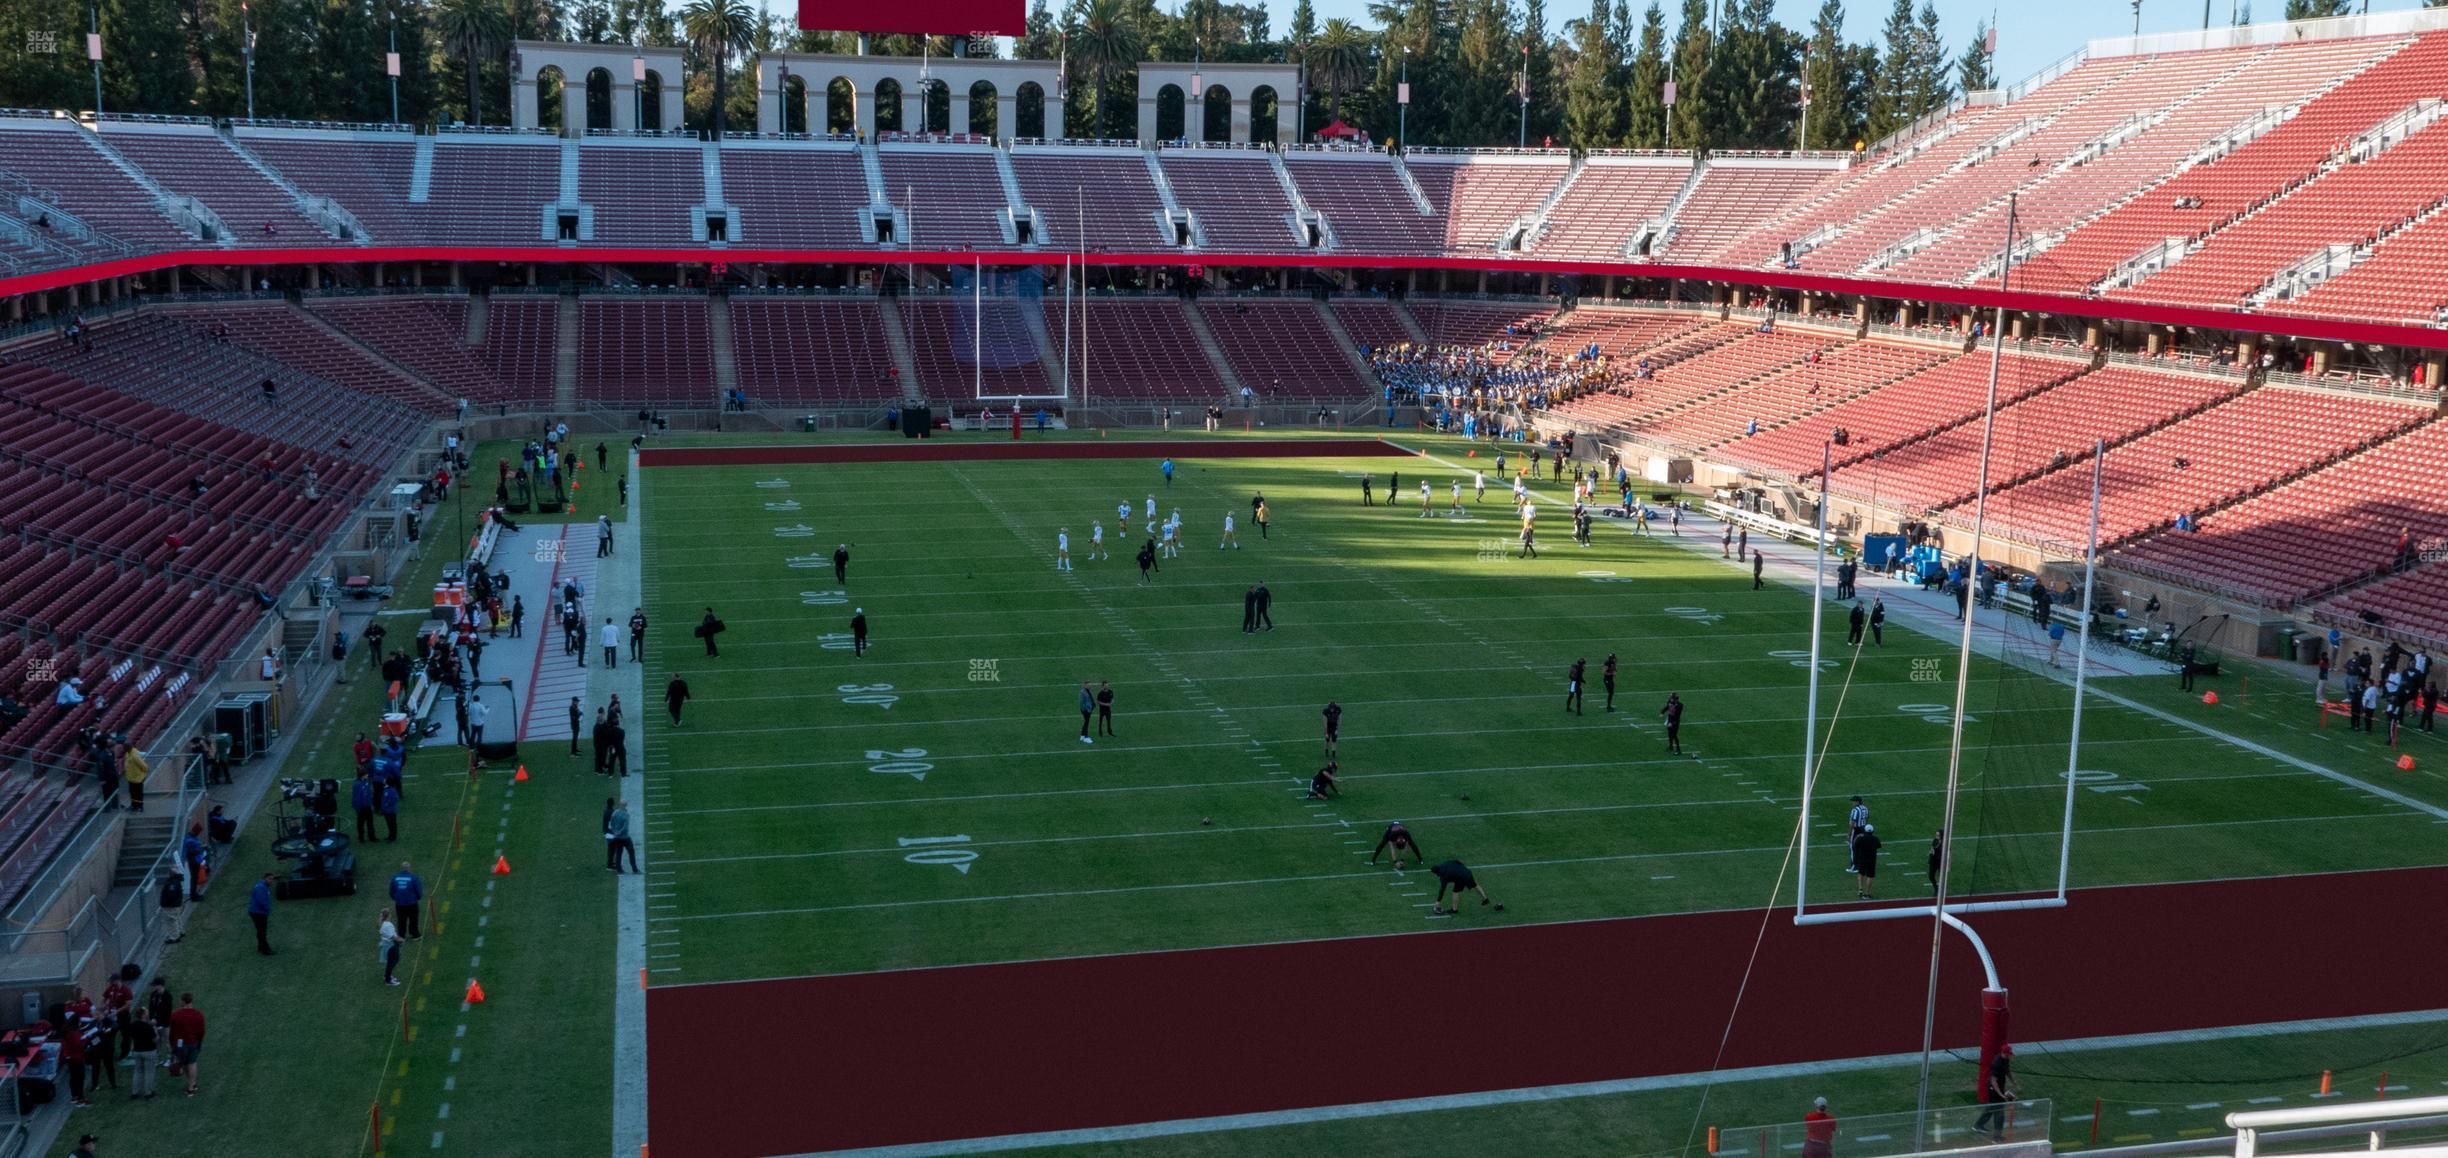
(2210, 697)
(475, 993)
(501, 865)
(522, 775)
(2405, 763)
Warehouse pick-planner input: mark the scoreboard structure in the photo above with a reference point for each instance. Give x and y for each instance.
(920, 17)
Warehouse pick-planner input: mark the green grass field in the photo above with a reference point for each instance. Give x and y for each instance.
(809, 828)
(794, 831)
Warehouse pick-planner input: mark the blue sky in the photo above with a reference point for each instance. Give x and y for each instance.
(2032, 34)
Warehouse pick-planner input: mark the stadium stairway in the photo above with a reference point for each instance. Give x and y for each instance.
(718, 334)
(896, 339)
(1410, 325)
(1343, 340)
(565, 354)
(1215, 352)
(371, 354)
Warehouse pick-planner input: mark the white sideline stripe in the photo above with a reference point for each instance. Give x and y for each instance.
(2393, 797)
(1766, 848)
(1105, 1135)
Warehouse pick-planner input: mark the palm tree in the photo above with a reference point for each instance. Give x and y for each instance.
(1107, 42)
(474, 31)
(1338, 61)
(719, 28)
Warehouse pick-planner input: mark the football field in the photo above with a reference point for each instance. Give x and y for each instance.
(930, 803)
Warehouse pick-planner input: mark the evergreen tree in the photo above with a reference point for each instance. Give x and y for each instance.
(2321, 9)
(418, 77)
(1976, 71)
(144, 57)
(1823, 74)
(1897, 88)
(1487, 103)
(1593, 114)
(1690, 120)
(1934, 80)
(1038, 39)
(1644, 85)
(1546, 98)
(42, 55)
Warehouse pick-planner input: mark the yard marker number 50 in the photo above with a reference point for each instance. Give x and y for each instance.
(957, 858)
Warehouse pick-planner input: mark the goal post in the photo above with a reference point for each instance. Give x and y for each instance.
(1002, 336)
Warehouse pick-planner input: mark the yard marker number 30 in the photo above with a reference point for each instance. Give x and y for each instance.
(877, 694)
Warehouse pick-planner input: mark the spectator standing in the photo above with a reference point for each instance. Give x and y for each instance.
(187, 1039)
(387, 947)
(637, 635)
(611, 636)
(1818, 1131)
(144, 1049)
(135, 770)
(387, 804)
(259, 910)
(407, 898)
(617, 843)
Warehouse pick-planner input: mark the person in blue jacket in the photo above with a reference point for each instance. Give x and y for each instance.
(407, 895)
(259, 910)
(389, 807)
(361, 798)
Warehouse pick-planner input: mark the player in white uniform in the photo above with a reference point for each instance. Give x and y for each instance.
(1151, 512)
(1096, 541)
(1427, 496)
(1478, 486)
(1172, 535)
(1521, 490)
(1457, 496)
(1229, 541)
(1122, 518)
(1062, 549)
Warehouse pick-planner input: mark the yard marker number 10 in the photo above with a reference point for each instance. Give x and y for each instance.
(958, 858)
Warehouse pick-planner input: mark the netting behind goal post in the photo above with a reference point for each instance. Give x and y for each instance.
(998, 315)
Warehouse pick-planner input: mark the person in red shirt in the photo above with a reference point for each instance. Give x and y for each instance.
(117, 995)
(1818, 1131)
(364, 750)
(187, 1038)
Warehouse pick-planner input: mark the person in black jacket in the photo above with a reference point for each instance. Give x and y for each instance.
(1266, 599)
(1854, 624)
(1878, 620)
(708, 629)
(1865, 858)
(675, 694)
(1607, 676)
(1104, 703)
(1400, 840)
(1249, 609)
(577, 720)
(1572, 686)
(858, 631)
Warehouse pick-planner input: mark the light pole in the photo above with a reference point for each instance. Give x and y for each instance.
(246, 26)
(391, 65)
(782, 103)
(1402, 102)
(2137, 7)
(93, 52)
(1670, 100)
(637, 88)
(1196, 110)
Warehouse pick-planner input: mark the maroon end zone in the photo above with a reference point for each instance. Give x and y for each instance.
(983, 450)
(928, 1055)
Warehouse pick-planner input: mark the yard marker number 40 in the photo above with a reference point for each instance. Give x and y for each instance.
(957, 858)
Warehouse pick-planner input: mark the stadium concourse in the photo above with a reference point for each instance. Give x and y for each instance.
(286, 404)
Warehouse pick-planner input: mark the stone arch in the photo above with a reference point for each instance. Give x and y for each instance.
(1265, 114)
(650, 95)
(552, 97)
(938, 115)
(888, 105)
(795, 104)
(841, 106)
(1028, 112)
(1171, 114)
(985, 114)
(598, 98)
(1216, 114)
